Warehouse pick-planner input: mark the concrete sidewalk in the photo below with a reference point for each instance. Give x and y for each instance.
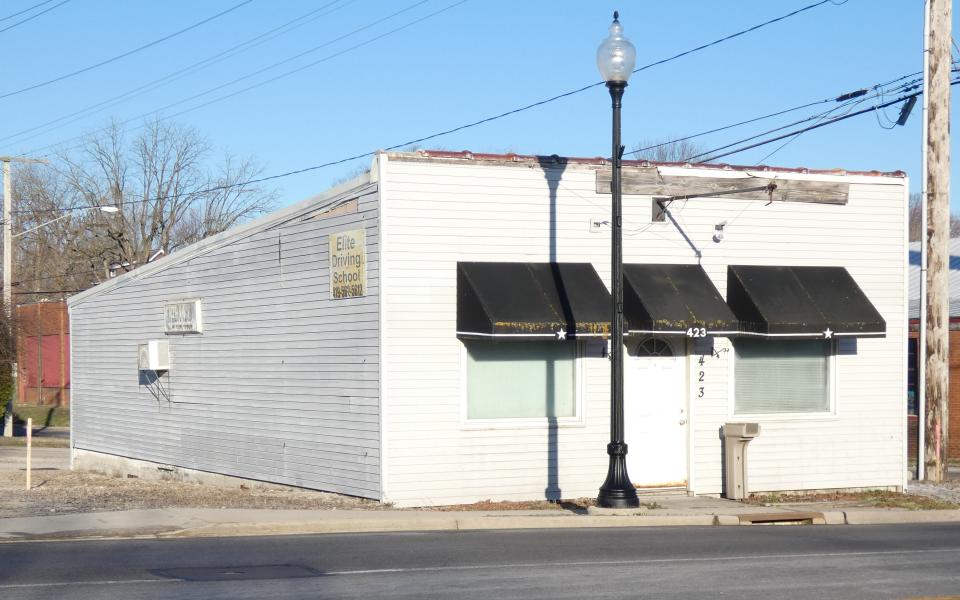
(671, 510)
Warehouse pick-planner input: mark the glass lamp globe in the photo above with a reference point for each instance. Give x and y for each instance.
(616, 56)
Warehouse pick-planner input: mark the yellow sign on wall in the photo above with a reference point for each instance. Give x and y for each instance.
(348, 264)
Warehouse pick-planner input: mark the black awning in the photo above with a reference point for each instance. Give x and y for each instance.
(800, 301)
(671, 299)
(530, 300)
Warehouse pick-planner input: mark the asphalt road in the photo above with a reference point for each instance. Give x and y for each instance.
(737, 562)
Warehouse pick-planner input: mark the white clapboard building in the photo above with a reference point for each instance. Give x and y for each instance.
(435, 332)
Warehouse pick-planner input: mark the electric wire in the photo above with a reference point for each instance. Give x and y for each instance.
(634, 232)
(730, 126)
(274, 65)
(849, 107)
(124, 54)
(767, 116)
(811, 127)
(589, 86)
(34, 16)
(427, 138)
(26, 10)
(781, 128)
(196, 67)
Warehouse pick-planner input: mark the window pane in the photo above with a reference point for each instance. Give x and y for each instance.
(782, 376)
(520, 379)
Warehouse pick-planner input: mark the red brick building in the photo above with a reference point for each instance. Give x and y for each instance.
(43, 354)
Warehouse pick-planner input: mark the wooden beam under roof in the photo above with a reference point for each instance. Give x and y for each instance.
(648, 181)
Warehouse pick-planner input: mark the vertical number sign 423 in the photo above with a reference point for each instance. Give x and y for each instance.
(701, 375)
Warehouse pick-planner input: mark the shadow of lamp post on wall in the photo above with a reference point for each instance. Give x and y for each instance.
(616, 58)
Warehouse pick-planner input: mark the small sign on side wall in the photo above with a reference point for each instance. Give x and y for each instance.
(348, 264)
(183, 316)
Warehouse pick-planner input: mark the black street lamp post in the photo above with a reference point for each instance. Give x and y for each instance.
(616, 58)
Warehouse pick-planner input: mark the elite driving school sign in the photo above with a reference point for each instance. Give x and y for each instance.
(348, 264)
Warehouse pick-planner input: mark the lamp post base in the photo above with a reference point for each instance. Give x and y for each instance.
(617, 491)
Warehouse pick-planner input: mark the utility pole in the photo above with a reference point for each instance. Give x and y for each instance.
(8, 269)
(937, 372)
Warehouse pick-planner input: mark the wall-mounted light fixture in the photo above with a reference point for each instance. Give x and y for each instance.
(718, 231)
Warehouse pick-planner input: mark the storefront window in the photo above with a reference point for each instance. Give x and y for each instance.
(520, 379)
(782, 376)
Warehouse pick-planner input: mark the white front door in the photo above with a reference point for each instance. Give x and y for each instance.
(655, 418)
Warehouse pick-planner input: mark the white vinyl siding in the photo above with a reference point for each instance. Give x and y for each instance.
(282, 385)
(781, 376)
(437, 213)
(517, 380)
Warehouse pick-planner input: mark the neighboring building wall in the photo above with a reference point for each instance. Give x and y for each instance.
(436, 213)
(954, 428)
(283, 383)
(43, 351)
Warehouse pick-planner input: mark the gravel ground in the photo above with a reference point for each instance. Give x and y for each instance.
(61, 491)
(948, 491)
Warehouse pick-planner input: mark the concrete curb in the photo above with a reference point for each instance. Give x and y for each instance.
(885, 517)
(406, 521)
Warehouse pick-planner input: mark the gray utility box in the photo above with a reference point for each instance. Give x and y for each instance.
(736, 436)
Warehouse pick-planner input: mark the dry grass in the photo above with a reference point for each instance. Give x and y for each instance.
(869, 499)
(78, 491)
(38, 442)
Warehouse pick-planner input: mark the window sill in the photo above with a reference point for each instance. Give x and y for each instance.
(522, 423)
(784, 417)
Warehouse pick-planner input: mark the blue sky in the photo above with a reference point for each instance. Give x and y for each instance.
(476, 59)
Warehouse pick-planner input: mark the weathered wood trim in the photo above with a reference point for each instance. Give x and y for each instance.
(648, 181)
(347, 208)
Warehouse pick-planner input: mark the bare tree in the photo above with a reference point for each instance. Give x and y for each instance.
(8, 361)
(667, 150)
(162, 185)
(916, 216)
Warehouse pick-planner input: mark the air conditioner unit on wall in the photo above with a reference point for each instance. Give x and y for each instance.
(155, 356)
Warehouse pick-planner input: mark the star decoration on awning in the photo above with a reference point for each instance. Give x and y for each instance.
(827, 333)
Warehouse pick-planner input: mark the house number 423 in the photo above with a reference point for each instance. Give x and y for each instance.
(697, 332)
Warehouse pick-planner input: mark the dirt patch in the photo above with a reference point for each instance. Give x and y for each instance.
(80, 491)
(576, 504)
(868, 499)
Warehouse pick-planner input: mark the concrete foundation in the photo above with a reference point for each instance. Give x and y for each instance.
(122, 466)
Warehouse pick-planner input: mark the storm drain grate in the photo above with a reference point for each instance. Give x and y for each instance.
(238, 573)
(791, 518)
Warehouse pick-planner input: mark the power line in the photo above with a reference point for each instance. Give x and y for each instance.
(447, 131)
(125, 54)
(849, 107)
(284, 74)
(725, 127)
(738, 34)
(571, 92)
(842, 97)
(424, 139)
(32, 17)
(20, 282)
(905, 87)
(244, 46)
(26, 10)
(815, 126)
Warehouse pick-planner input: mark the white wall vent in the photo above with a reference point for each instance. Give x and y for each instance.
(155, 356)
